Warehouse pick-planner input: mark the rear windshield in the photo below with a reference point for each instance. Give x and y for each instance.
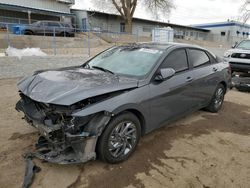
(128, 60)
(36, 23)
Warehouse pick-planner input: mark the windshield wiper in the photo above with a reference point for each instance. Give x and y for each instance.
(103, 69)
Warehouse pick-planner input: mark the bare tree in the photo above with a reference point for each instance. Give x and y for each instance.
(245, 11)
(126, 8)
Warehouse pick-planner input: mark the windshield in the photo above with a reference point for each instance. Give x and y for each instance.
(36, 23)
(127, 60)
(245, 44)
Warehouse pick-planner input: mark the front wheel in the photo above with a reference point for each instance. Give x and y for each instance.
(28, 32)
(217, 100)
(119, 139)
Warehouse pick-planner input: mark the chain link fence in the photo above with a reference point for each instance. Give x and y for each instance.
(62, 40)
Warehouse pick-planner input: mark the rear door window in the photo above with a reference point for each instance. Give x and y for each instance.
(176, 60)
(66, 25)
(43, 24)
(198, 57)
(53, 24)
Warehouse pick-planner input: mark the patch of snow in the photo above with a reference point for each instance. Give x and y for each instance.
(10, 51)
(2, 54)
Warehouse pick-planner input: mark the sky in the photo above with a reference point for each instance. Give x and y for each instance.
(187, 12)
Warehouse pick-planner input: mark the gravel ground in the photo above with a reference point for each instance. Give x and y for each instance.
(202, 150)
(218, 51)
(12, 67)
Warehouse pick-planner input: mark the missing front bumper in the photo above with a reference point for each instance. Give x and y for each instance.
(66, 139)
(79, 150)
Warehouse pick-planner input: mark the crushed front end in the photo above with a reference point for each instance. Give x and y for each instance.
(63, 138)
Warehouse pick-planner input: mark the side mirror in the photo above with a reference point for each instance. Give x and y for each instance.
(236, 43)
(165, 74)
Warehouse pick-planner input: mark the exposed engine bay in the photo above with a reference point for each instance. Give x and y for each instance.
(63, 138)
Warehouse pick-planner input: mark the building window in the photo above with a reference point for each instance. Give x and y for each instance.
(84, 24)
(122, 27)
(223, 33)
(202, 35)
(147, 29)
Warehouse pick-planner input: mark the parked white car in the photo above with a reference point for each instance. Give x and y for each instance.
(239, 56)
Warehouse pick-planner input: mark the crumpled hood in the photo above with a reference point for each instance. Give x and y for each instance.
(66, 87)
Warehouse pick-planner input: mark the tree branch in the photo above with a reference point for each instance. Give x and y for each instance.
(119, 9)
(134, 4)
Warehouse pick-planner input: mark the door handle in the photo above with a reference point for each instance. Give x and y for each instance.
(215, 69)
(189, 79)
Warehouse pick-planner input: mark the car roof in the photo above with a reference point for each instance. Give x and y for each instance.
(164, 46)
(48, 21)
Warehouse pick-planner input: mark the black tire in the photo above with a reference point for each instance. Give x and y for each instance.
(217, 100)
(28, 32)
(243, 89)
(107, 141)
(64, 34)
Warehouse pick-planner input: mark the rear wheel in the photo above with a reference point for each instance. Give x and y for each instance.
(28, 32)
(217, 100)
(119, 139)
(64, 34)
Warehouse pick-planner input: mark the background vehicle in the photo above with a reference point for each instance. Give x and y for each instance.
(48, 28)
(239, 56)
(106, 104)
(242, 82)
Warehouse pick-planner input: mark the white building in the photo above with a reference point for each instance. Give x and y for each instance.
(27, 11)
(227, 29)
(102, 21)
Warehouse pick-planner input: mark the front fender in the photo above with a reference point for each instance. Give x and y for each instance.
(114, 106)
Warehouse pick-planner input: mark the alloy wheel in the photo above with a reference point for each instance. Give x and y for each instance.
(219, 97)
(122, 139)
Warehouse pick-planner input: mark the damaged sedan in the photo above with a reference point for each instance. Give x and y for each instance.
(103, 107)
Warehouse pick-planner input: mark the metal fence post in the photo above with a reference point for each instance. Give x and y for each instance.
(137, 34)
(117, 40)
(88, 44)
(64, 31)
(54, 40)
(8, 35)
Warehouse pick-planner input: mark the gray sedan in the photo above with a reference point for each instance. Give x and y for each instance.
(103, 107)
(49, 28)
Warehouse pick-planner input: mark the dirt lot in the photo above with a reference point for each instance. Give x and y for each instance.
(202, 150)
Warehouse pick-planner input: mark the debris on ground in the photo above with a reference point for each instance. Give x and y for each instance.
(242, 82)
(30, 171)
